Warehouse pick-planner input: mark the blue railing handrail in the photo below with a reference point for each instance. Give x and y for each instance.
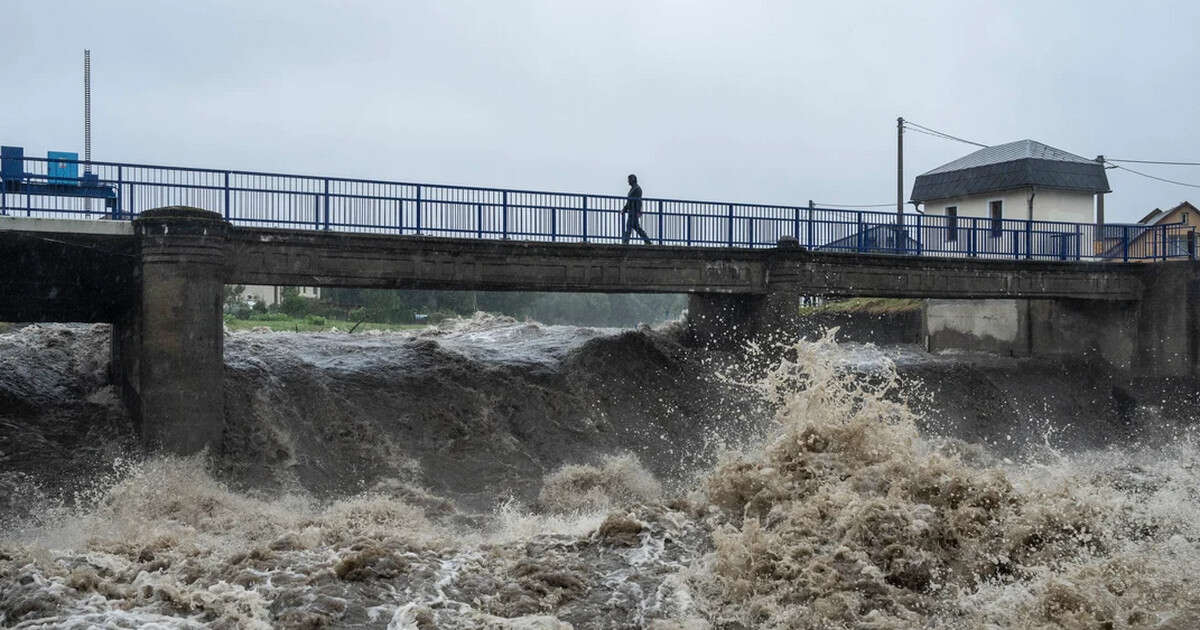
(358, 204)
(354, 180)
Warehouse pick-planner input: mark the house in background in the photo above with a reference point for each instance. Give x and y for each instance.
(1020, 180)
(271, 295)
(979, 204)
(1165, 234)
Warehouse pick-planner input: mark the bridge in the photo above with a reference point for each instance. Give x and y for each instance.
(62, 188)
(158, 274)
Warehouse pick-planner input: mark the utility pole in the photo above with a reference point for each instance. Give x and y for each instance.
(900, 173)
(87, 111)
(1100, 204)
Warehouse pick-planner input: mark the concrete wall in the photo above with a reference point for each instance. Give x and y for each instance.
(1102, 331)
(1158, 335)
(1168, 328)
(1106, 331)
(1048, 205)
(999, 326)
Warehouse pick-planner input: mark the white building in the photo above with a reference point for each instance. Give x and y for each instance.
(271, 295)
(1019, 180)
(1013, 200)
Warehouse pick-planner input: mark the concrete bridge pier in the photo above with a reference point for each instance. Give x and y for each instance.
(727, 320)
(168, 350)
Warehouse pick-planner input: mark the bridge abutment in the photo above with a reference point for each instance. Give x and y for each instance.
(168, 351)
(1168, 323)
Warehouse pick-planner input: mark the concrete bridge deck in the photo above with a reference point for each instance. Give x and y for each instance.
(76, 270)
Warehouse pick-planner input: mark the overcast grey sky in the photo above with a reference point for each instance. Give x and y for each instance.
(743, 101)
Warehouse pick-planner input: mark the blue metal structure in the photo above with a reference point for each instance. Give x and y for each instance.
(62, 168)
(56, 177)
(31, 188)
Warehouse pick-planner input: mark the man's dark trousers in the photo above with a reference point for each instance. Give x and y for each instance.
(631, 225)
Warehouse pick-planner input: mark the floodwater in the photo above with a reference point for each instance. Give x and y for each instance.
(498, 474)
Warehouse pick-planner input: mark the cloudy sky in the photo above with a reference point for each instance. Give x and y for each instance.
(744, 101)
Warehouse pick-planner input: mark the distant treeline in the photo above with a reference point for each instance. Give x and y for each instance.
(412, 306)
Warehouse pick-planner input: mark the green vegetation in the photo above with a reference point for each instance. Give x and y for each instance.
(871, 306)
(310, 324)
(401, 309)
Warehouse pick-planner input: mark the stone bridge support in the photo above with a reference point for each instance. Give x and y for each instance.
(1168, 323)
(727, 320)
(1157, 335)
(168, 348)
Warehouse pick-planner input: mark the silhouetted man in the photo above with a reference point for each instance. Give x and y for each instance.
(633, 211)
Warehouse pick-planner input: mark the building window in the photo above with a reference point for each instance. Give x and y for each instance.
(952, 223)
(996, 211)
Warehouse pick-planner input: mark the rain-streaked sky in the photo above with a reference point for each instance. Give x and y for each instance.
(776, 102)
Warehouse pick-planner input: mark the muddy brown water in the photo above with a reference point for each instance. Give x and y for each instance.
(501, 474)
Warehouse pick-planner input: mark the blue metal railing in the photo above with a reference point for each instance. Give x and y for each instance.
(120, 191)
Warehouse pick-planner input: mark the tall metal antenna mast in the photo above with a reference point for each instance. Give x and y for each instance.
(87, 111)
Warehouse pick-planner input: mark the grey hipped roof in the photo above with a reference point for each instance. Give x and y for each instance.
(1014, 165)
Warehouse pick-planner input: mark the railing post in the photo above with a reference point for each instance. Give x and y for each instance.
(226, 195)
(1078, 243)
(316, 212)
(326, 203)
(1125, 243)
(1164, 242)
(859, 240)
(750, 232)
(1028, 239)
(117, 202)
(504, 214)
(478, 220)
(731, 225)
(796, 224)
(418, 209)
(585, 213)
(809, 244)
(660, 222)
(920, 236)
(688, 229)
(971, 245)
(553, 224)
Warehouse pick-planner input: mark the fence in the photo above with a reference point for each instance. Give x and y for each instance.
(35, 187)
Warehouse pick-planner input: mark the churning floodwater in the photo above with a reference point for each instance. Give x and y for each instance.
(498, 474)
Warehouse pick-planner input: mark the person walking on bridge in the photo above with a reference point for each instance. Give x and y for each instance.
(633, 211)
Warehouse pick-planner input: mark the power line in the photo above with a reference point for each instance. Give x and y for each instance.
(912, 126)
(1161, 179)
(1153, 162)
(940, 134)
